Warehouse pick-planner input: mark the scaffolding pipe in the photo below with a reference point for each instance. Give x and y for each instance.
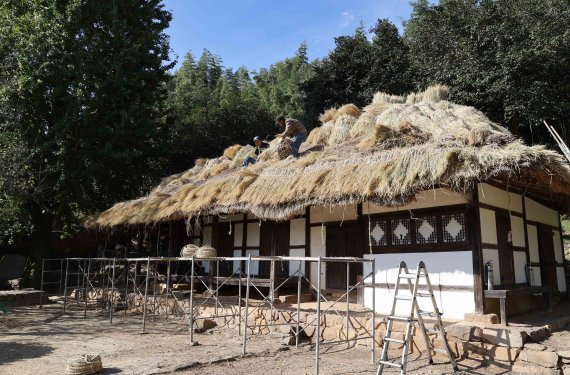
(167, 285)
(126, 288)
(65, 286)
(42, 284)
(112, 293)
(298, 306)
(318, 340)
(86, 292)
(145, 295)
(191, 303)
(347, 300)
(246, 304)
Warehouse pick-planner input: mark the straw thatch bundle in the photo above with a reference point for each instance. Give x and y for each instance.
(346, 110)
(85, 364)
(389, 153)
(284, 148)
(231, 152)
(382, 97)
(188, 251)
(328, 115)
(206, 252)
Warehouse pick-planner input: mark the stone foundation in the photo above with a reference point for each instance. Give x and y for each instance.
(22, 297)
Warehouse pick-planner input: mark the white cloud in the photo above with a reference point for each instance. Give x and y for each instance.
(347, 18)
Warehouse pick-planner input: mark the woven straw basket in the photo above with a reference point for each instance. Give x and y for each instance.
(189, 251)
(206, 252)
(85, 364)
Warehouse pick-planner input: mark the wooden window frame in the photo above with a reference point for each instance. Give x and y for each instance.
(415, 247)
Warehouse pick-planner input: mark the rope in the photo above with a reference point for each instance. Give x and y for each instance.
(85, 364)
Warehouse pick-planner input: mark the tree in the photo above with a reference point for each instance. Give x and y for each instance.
(281, 86)
(357, 68)
(507, 58)
(82, 94)
(212, 108)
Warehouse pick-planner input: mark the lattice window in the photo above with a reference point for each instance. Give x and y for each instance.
(401, 234)
(454, 228)
(426, 230)
(378, 233)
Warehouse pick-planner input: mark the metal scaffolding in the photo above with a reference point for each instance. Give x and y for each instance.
(131, 284)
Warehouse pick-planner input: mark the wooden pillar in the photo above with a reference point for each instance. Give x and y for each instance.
(477, 251)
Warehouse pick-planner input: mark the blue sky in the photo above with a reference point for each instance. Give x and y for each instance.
(257, 33)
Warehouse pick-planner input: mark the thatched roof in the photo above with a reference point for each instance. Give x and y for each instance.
(384, 153)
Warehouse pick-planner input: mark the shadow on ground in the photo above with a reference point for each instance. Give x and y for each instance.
(13, 351)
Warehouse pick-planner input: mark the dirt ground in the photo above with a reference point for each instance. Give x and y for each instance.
(34, 341)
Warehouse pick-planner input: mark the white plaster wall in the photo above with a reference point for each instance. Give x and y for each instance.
(455, 303)
(321, 214)
(424, 199)
(297, 232)
(557, 246)
(238, 234)
(253, 231)
(541, 214)
(537, 276)
(561, 279)
(532, 243)
(499, 198)
(517, 230)
(519, 260)
(488, 226)
(236, 263)
(254, 264)
(318, 249)
(493, 256)
(444, 268)
(294, 264)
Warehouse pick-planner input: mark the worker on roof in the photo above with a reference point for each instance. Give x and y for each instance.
(294, 129)
(260, 145)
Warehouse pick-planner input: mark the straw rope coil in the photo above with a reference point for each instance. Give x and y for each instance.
(85, 364)
(188, 251)
(206, 252)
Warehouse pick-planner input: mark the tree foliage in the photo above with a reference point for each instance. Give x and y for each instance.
(212, 108)
(508, 58)
(358, 67)
(80, 106)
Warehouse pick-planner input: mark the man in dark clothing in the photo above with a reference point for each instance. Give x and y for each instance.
(294, 129)
(260, 145)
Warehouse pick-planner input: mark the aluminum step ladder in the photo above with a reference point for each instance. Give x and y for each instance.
(416, 315)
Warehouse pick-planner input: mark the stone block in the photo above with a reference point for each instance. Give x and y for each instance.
(464, 332)
(535, 346)
(310, 330)
(539, 358)
(482, 318)
(526, 368)
(565, 354)
(205, 324)
(329, 334)
(292, 298)
(511, 338)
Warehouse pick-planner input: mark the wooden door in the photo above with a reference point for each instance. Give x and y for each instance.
(547, 258)
(342, 241)
(506, 262)
(274, 241)
(223, 242)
